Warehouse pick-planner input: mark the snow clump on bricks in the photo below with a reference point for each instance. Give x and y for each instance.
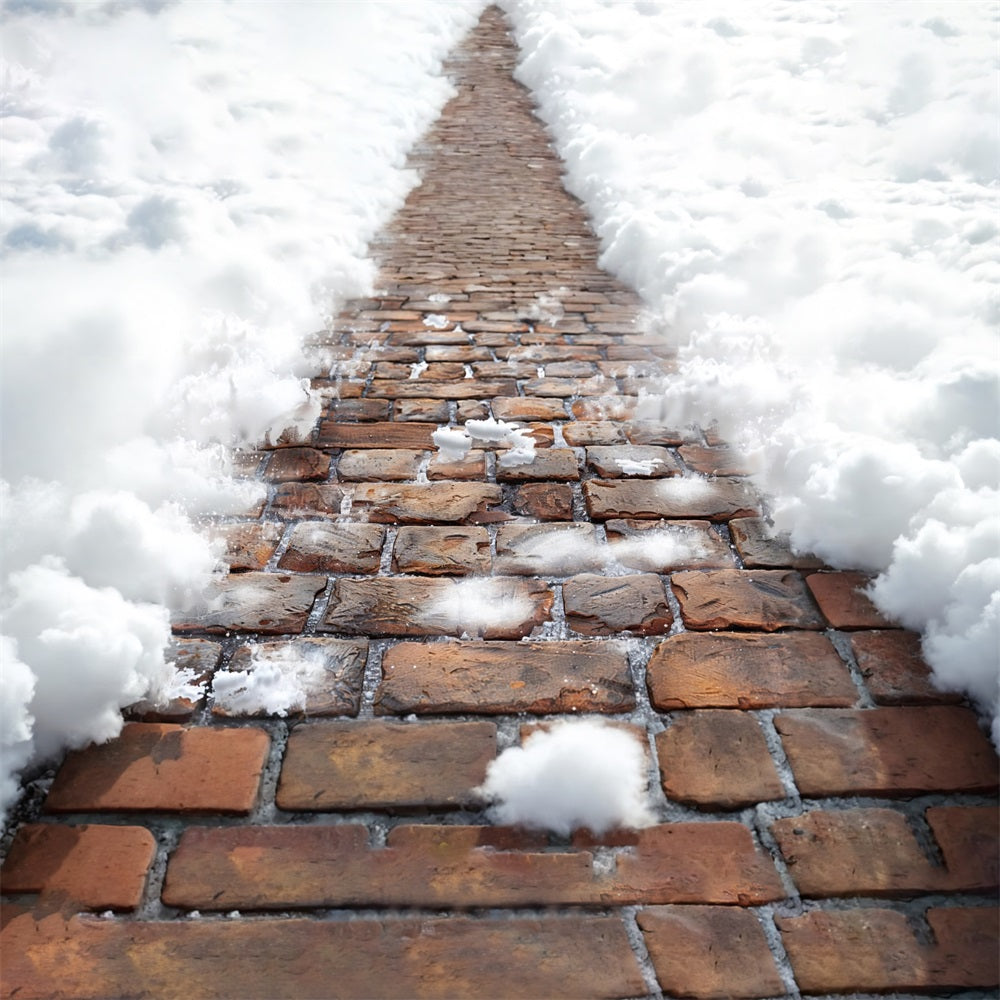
(576, 773)
(454, 442)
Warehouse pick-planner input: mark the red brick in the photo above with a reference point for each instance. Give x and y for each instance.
(355, 410)
(545, 501)
(601, 605)
(709, 951)
(331, 684)
(268, 603)
(616, 461)
(155, 767)
(471, 466)
(762, 599)
(91, 867)
(86, 958)
(526, 408)
(676, 496)
(579, 433)
(550, 463)
(729, 670)
(494, 607)
(653, 432)
(717, 760)
(873, 852)
(379, 464)
(333, 547)
(249, 544)
(434, 411)
(333, 434)
(426, 503)
(467, 388)
(609, 407)
(887, 751)
(502, 677)
(894, 669)
(297, 463)
(292, 500)
(873, 950)
(759, 549)
(384, 765)
(253, 868)
(841, 600)
(441, 551)
(662, 546)
(714, 461)
(547, 549)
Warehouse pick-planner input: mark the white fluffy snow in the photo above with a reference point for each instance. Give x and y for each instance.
(806, 196)
(189, 191)
(277, 681)
(453, 443)
(576, 773)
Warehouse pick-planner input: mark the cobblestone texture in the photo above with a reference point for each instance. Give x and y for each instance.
(825, 817)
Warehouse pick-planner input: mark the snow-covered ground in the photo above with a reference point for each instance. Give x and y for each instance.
(189, 189)
(804, 193)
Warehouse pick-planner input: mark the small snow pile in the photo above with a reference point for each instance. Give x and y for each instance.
(805, 195)
(576, 773)
(476, 606)
(277, 681)
(455, 442)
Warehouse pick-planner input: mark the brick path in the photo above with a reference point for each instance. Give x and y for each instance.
(826, 820)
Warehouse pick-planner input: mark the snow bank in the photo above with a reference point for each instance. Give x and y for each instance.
(575, 773)
(189, 191)
(806, 197)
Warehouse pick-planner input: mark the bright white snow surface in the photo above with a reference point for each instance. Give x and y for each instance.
(189, 190)
(806, 195)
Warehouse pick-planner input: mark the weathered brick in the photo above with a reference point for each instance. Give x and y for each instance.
(762, 599)
(90, 867)
(332, 434)
(613, 462)
(545, 501)
(328, 673)
(870, 950)
(874, 852)
(502, 677)
(548, 549)
(437, 551)
(358, 410)
(154, 767)
(432, 411)
(268, 603)
(661, 546)
(714, 461)
(384, 765)
(609, 407)
(333, 547)
(426, 503)
(717, 760)
(197, 658)
(459, 352)
(709, 951)
(466, 388)
(292, 500)
(300, 464)
(550, 463)
(581, 433)
(759, 549)
(676, 496)
(471, 466)
(602, 605)
(432, 866)
(887, 751)
(379, 464)
(729, 670)
(526, 408)
(840, 598)
(894, 669)
(91, 959)
(494, 607)
(249, 544)
(653, 432)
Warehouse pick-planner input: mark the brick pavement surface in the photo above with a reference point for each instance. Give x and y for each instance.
(826, 820)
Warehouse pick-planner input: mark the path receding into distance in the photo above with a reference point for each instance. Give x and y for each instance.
(826, 820)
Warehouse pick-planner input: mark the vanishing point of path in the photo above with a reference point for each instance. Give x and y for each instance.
(826, 820)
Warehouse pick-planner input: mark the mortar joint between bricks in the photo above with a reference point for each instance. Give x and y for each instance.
(320, 606)
(842, 644)
(637, 942)
(265, 811)
(765, 917)
(765, 719)
(372, 677)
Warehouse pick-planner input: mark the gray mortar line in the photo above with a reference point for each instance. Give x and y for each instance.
(372, 677)
(637, 942)
(765, 917)
(264, 812)
(765, 719)
(388, 544)
(319, 609)
(842, 644)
